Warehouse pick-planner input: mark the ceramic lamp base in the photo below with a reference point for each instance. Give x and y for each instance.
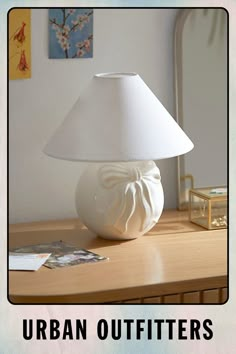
(120, 201)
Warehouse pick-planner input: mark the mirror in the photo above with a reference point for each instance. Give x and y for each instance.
(201, 86)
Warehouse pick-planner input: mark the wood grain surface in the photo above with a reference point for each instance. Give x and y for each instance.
(175, 257)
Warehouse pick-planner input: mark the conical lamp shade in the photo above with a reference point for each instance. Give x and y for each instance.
(118, 118)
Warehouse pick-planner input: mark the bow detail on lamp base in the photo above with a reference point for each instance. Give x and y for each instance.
(120, 201)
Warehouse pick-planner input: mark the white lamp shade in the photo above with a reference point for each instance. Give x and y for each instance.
(118, 118)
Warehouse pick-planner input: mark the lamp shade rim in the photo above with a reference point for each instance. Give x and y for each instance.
(112, 158)
(115, 75)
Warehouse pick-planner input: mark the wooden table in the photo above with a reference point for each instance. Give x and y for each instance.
(176, 262)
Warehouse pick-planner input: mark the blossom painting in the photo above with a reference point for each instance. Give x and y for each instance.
(19, 54)
(70, 33)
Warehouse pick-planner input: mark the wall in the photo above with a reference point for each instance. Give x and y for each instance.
(124, 40)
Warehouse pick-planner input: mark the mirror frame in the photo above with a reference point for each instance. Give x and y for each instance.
(185, 181)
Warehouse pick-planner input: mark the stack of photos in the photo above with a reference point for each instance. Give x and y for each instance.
(62, 254)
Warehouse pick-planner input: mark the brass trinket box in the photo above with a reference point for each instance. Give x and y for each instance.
(208, 207)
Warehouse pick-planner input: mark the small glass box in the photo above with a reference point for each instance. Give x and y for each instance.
(208, 207)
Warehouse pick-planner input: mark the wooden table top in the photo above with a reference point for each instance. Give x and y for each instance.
(174, 255)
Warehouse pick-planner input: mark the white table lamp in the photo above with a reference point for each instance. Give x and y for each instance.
(120, 126)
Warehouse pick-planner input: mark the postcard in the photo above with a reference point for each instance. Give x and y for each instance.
(26, 261)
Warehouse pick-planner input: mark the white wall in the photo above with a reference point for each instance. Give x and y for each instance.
(124, 40)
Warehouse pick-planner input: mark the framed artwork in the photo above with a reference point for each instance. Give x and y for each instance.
(70, 33)
(19, 55)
